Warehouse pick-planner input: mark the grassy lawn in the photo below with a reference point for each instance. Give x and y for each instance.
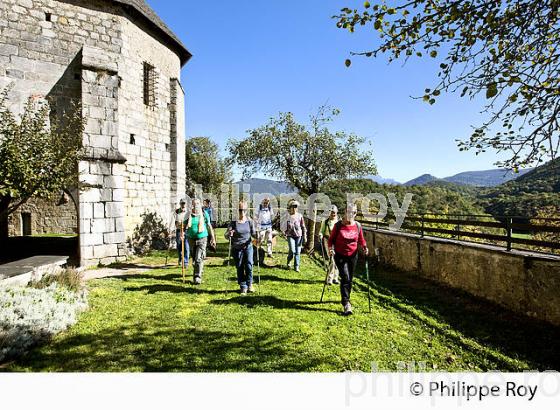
(154, 322)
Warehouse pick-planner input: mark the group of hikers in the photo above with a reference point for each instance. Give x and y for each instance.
(340, 240)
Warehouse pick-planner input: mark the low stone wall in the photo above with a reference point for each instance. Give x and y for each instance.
(523, 282)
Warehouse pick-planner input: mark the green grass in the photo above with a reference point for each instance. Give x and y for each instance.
(154, 322)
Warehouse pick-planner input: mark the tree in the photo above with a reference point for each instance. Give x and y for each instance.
(204, 166)
(508, 50)
(306, 157)
(39, 154)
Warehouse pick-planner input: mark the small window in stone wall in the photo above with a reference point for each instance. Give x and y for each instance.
(149, 85)
(48, 16)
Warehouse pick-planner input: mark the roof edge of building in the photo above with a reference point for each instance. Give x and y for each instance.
(144, 10)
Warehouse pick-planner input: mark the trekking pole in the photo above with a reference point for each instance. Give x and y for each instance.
(182, 251)
(259, 265)
(368, 291)
(326, 270)
(228, 261)
(170, 235)
(168, 248)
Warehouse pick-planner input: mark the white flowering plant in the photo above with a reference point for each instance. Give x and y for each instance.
(29, 315)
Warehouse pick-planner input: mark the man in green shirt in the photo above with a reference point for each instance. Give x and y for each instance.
(326, 228)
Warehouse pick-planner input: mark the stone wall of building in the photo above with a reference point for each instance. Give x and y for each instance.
(151, 137)
(47, 217)
(93, 51)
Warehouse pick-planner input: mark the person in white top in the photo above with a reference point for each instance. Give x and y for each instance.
(181, 219)
(264, 225)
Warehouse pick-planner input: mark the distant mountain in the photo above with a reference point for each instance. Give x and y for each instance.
(380, 180)
(268, 186)
(526, 195)
(421, 180)
(488, 178)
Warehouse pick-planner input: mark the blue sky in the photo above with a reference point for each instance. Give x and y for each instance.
(253, 59)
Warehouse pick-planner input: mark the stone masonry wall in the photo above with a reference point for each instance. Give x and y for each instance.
(35, 54)
(151, 138)
(47, 217)
(93, 51)
(102, 195)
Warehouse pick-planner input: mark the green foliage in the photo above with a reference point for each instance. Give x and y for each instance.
(439, 198)
(204, 166)
(37, 159)
(306, 157)
(153, 322)
(550, 216)
(506, 50)
(526, 195)
(70, 278)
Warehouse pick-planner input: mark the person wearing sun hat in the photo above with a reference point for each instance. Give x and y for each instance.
(181, 220)
(324, 233)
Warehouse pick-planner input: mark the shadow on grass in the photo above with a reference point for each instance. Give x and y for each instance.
(189, 290)
(254, 301)
(274, 278)
(454, 314)
(140, 348)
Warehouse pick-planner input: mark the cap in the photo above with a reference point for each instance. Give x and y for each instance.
(292, 203)
(334, 209)
(182, 201)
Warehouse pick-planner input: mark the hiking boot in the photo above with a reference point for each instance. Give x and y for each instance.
(288, 266)
(297, 269)
(336, 282)
(251, 289)
(243, 291)
(269, 254)
(329, 282)
(347, 309)
(197, 281)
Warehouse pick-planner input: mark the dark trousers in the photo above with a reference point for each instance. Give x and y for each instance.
(346, 266)
(244, 264)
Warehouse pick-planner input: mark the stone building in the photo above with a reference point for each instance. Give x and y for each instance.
(123, 63)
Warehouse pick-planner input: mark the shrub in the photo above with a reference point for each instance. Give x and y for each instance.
(150, 234)
(69, 278)
(29, 315)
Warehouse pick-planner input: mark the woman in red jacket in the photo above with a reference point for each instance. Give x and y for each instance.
(343, 243)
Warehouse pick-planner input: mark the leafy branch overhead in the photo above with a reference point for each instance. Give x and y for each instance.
(305, 156)
(506, 50)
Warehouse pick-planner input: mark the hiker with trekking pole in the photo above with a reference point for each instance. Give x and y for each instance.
(346, 236)
(264, 225)
(296, 233)
(181, 218)
(324, 233)
(199, 232)
(240, 233)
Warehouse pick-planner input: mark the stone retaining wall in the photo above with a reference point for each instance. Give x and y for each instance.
(524, 282)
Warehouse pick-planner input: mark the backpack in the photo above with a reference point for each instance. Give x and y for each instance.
(339, 224)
